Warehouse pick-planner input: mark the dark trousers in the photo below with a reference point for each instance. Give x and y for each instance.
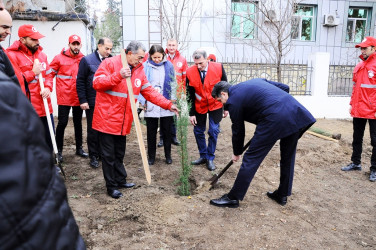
(359, 125)
(252, 159)
(207, 151)
(47, 131)
(112, 152)
(92, 135)
(172, 131)
(152, 128)
(63, 117)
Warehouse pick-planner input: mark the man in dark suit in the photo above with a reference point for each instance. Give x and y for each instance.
(201, 78)
(278, 116)
(86, 93)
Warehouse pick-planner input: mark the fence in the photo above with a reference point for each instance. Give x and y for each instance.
(297, 76)
(340, 80)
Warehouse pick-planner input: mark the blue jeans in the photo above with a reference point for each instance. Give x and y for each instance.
(207, 152)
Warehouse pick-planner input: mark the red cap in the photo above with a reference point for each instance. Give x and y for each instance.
(28, 30)
(367, 41)
(212, 57)
(74, 38)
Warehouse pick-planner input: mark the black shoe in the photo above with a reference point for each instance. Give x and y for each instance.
(281, 200)
(60, 156)
(175, 142)
(372, 176)
(151, 161)
(81, 152)
(126, 185)
(224, 201)
(168, 160)
(352, 167)
(94, 162)
(199, 161)
(210, 165)
(160, 144)
(114, 193)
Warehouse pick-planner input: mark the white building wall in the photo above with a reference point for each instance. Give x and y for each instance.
(54, 41)
(212, 28)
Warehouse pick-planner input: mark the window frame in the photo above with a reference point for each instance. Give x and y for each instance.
(354, 19)
(300, 26)
(372, 15)
(242, 16)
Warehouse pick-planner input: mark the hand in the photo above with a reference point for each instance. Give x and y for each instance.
(125, 72)
(235, 158)
(37, 68)
(84, 106)
(46, 93)
(225, 113)
(175, 110)
(193, 120)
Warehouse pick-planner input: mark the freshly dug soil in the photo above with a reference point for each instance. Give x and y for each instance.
(329, 208)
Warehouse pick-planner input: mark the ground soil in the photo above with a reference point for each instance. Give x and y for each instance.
(328, 209)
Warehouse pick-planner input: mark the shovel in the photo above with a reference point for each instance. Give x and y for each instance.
(49, 122)
(214, 179)
(136, 120)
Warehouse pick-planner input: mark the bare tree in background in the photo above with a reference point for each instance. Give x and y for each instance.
(275, 24)
(177, 19)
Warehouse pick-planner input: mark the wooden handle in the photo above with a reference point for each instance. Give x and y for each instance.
(135, 119)
(321, 136)
(47, 110)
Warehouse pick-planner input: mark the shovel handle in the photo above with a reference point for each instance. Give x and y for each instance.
(229, 165)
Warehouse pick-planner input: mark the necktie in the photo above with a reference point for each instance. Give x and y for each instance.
(203, 75)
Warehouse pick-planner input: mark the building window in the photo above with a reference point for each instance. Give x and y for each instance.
(357, 24)
(303, 23)
(243, 18)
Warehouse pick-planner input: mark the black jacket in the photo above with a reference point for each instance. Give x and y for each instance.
(34, 210)
(6, 66)
(84, 84)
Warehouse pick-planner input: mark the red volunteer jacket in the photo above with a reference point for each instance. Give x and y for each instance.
(65, 67)
(22, 56)
(113, 113)
(180, 66)
(204, 100)
(363, 98)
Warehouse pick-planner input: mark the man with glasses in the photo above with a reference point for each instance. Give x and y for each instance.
(113, 115)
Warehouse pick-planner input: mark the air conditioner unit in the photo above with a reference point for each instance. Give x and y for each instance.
(331, 20)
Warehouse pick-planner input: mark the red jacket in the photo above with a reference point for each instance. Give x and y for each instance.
(113, 113)
(363, 98)
(180, 66)
(204, 100)
(22, 56)
(19, 75)
(65, 67)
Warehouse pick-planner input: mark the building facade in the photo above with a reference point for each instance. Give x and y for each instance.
(232, 29)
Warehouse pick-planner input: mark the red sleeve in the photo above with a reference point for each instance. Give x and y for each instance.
(105, 78)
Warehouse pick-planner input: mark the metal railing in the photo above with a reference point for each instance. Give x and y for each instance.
(340, 80)
(297, 76)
